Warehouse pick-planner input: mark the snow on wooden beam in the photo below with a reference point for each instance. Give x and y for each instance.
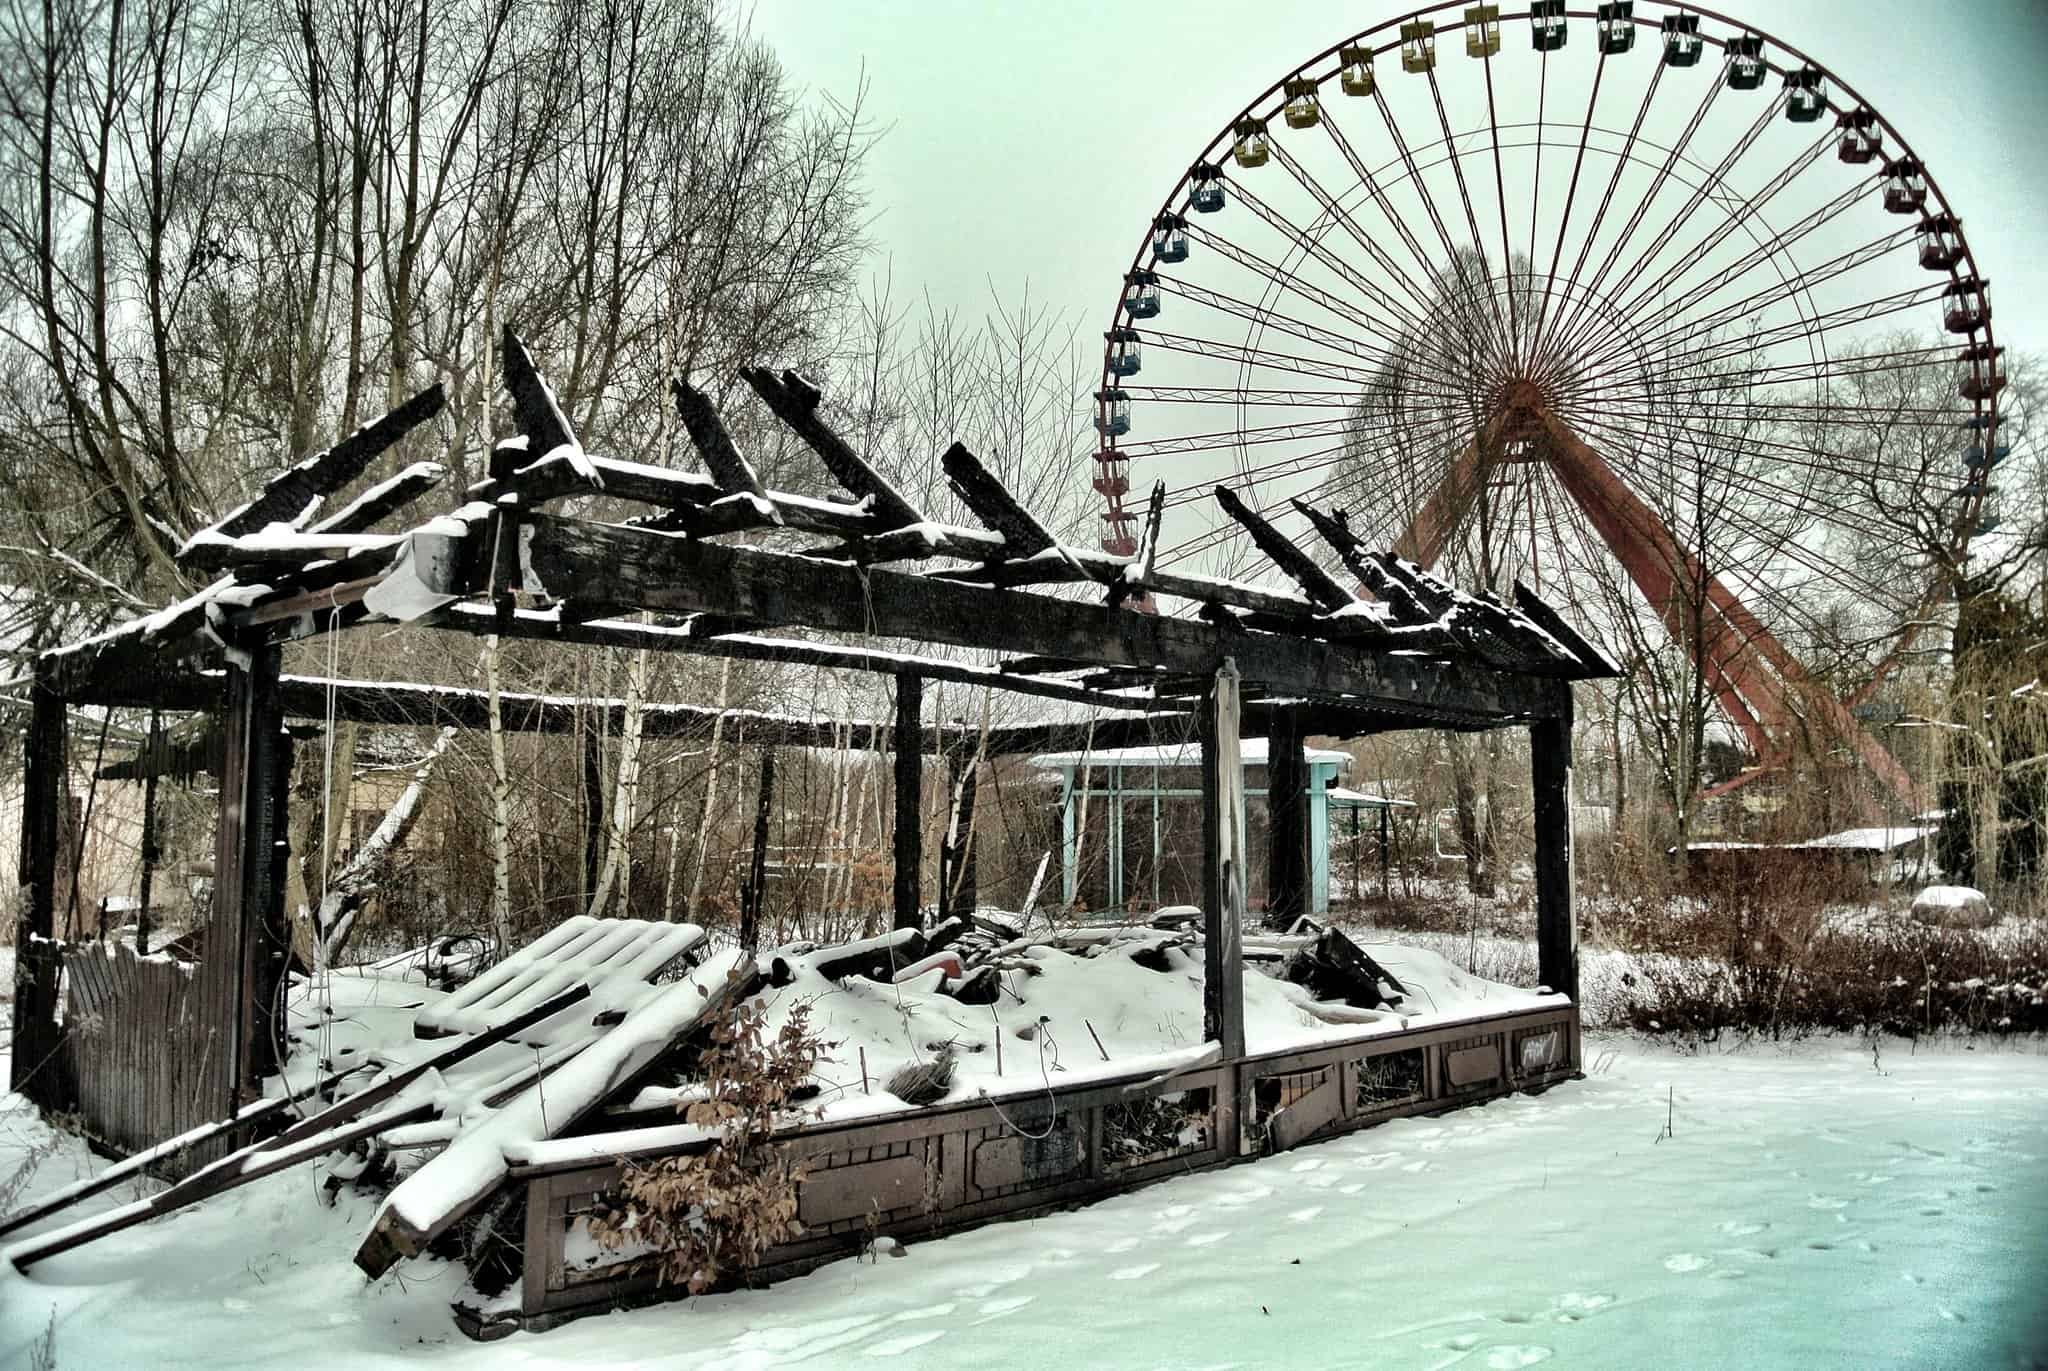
(540, 416)
(631, 569)
(384, 499)
(292, 497)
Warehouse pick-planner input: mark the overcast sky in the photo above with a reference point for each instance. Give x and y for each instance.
(1032, 141)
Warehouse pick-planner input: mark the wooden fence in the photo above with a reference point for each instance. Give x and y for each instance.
(140, 1065)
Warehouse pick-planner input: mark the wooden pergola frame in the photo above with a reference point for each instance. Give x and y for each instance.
(1072, 625)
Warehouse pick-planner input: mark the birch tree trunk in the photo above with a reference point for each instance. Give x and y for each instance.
(710, 789)
(617, 871)
(351, 888)
(501, 809)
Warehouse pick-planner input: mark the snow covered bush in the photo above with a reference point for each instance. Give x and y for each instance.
(711, 1214)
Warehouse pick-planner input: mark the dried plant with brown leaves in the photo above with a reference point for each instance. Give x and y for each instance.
(713, 1213)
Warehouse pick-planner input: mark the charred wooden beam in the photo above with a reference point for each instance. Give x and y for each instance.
(1315, 582)
(981, 491)
(1550, 775)
(550, 478)
(541, 421)
(913, 543)
(795, 401)
(1287, 778)
(909, 837)
(1137, 578)
(1597, 663)
(291, 497)
(637, 570)
(547, 626)
(36, 1034)
(714, 444)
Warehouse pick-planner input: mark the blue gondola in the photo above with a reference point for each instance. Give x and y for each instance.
(1123, 351)
(1546, 25)
(1170, 238)
(1806, 94)
(1861, 139)
(1112, 413)
(1205, 188)
(1141, 295)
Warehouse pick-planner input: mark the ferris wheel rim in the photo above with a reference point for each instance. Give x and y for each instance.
(1841, 97)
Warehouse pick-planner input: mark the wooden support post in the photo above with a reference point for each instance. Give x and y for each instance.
(1223, 867)
(909, 744)
(1550, 768)
(957, 893)
(242, 964)
(149, 854)
(757, 873)
(36, 1034)
(1287, 894)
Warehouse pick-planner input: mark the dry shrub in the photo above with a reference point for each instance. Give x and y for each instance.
(712, 1214)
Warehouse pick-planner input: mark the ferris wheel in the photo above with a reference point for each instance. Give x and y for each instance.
(1637, 304)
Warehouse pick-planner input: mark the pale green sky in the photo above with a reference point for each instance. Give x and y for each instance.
(1032, 141)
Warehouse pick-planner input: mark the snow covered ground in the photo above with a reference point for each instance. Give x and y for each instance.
(1811, 1206)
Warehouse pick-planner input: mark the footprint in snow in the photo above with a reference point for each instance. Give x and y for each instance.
(1415, 1168)
(1250, 1194)
(1204, 1239)
(1825, 1202)
(1309, 1164)
(1002, 1308)
(1133, 1273)
(1575, 1304)
(1682, 1263)
(1305, 1215)
(1121, 1245)
(1351, 1189)
(1507, 1358)
(1177, 1225)
(1742, 1228)
(896, 1347)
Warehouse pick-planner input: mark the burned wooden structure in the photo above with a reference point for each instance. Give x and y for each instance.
(716, 563)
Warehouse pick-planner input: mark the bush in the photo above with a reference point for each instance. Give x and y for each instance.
(712, 1214)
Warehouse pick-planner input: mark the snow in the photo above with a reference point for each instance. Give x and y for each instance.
(1837, 1204)
(1344, 796)
(1251, 751)
(1949, 897)
(616, 957)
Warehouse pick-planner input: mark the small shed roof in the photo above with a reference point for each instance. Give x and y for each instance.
(1251, 751)
(1345, 798)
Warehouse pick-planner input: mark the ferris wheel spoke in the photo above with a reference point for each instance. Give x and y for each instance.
(1698, 360)
(1237, 437)
(1636, 270)
(1621, 163)
(1500, 195)
(1679, 330)
(1339, 343)
(1503, 326)
(1736, 218)
(1291, 282)
(1564, 219)
(1800, 455)
(1768, 251)
(1658, 180)
(1378, 192)
(1455, 292)
(1231, 395)
(1332, 208)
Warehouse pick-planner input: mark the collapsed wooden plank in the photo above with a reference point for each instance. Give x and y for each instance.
(384, 499)
(133, 1166)
(616, 958)
(434, 1198)
(1315, 582)
(541, 421)
(328, 1129)
(981, 491)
